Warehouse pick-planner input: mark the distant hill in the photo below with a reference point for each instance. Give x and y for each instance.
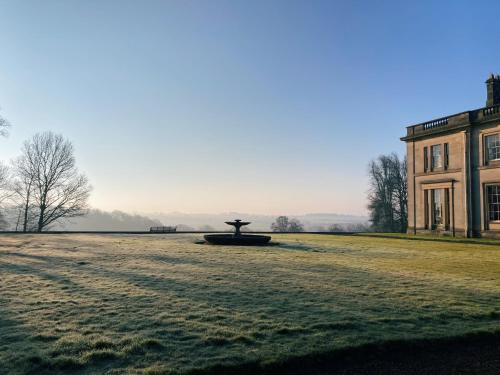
(121, 221)
(312, 222)
(102, 220)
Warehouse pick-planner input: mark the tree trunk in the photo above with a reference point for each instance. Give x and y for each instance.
(26, 208)
(18, 220)
(40, 218)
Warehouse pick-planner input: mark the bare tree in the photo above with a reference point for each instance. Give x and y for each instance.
(294, 225)
(5, 191)
(4, 175)
(400, 193)
(4, 182)
(280, 224)
(335, 228)
(48, 180)
(388, 194)
(23, 192)
(284, 224)
(4, 125)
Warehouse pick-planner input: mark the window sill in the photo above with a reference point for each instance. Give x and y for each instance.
(441, 171)
(492, 165)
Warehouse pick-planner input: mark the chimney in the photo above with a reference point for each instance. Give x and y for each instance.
(493, 90)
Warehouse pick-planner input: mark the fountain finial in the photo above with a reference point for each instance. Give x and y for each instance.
(237, 224)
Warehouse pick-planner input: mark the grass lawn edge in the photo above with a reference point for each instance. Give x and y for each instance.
(406, 353)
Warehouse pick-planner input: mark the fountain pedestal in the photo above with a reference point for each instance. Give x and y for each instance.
(237, 238)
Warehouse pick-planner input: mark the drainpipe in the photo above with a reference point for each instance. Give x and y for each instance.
(414, 193)
(453, 206)
(468, 183)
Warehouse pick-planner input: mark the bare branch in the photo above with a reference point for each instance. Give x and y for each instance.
(4, 127)
(49, 180)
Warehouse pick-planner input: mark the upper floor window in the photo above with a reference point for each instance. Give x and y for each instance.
(426, 160)
(446, 155)
(493, 147)
(437, 160)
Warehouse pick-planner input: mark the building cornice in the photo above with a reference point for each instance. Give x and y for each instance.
(453, 123)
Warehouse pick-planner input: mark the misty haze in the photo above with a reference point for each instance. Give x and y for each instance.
(237, 187)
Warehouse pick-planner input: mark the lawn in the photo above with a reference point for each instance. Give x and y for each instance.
(164, 304)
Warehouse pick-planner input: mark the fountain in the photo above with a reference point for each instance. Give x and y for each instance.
(237, 238)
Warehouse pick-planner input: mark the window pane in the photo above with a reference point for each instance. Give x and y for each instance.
(493, 192)
(437, 206)
(436, 157)
(493, 147)
(426, 160)
(446, 156)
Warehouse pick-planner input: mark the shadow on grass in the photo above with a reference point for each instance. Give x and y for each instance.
(442, 356)
(475, 353)
(470, 241)
(241, 299)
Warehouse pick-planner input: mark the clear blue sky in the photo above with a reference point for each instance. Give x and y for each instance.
(255, 106)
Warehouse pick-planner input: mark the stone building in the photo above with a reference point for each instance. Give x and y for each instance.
(454, 171)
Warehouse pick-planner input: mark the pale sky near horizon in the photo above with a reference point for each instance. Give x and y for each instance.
(266, 107)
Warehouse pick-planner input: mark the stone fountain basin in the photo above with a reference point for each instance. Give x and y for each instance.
(241, 240)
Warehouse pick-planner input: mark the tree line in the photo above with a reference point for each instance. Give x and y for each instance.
(388, 194)
(387, 201)
(42, 185)
(284, 224)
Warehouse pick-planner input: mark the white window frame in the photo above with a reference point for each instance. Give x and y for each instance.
(487, 149)
(440, 166)
(487, 200)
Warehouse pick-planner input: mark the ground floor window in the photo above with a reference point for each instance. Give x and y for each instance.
(493, 196)
(437, 209)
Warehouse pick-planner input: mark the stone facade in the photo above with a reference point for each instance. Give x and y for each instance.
(454, 171)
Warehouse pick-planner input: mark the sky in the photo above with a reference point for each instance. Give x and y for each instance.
(265, 107)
